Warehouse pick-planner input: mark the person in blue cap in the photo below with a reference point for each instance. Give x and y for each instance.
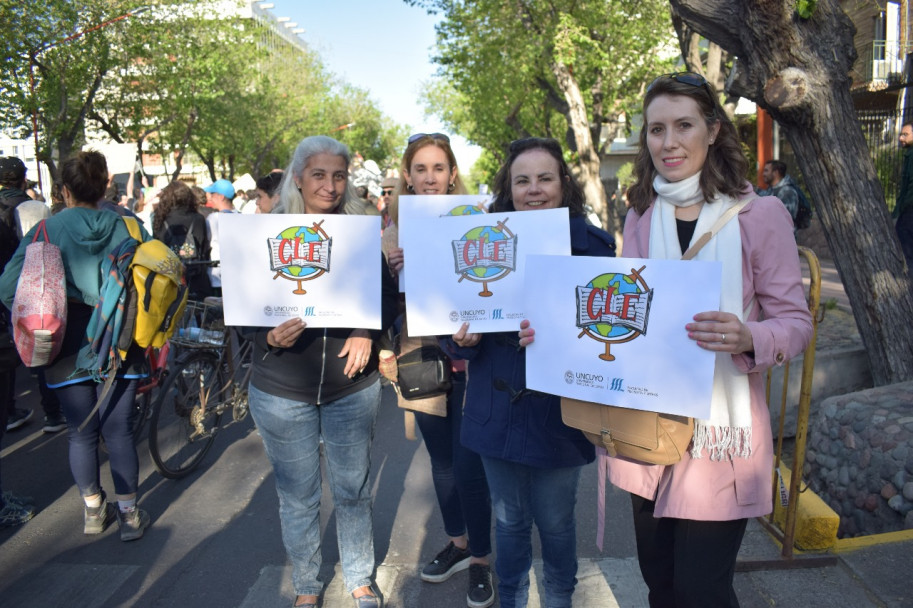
(219, 195)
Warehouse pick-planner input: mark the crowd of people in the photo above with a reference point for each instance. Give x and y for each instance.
(498, 451)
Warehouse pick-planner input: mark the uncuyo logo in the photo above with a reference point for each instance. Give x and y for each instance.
(268, 311)
(454, 316)
(569, 377)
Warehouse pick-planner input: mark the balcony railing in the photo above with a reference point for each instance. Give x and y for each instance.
(883, 61)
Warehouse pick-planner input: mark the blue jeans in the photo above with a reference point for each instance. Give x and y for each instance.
(521, 495)
(291, 432)
(113, 421)
(458, 474)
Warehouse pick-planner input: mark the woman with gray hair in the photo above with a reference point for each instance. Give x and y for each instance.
(313, 385)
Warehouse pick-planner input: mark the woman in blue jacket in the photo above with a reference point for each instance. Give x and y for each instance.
(532, 460)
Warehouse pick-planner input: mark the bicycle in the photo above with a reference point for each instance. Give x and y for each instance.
(157, 360)
(200, 387)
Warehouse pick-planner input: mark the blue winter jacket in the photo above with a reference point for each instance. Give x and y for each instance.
(501, 419)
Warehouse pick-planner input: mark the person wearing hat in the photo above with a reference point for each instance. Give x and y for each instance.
(12, 198)
(219, 195)
(386, 195)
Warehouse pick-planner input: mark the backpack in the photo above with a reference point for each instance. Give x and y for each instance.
(161, 292)
(186, 249)
(803, 217)
(141, 300)
(39, 314)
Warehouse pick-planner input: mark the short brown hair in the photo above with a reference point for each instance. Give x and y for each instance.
(572, 195)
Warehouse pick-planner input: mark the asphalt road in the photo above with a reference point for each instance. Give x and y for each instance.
(215, 538)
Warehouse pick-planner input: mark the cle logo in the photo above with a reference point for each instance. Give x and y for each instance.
(614, 308)
(300, 254)
(485, 254)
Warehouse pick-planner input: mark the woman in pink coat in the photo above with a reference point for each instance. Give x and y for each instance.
(689, 518)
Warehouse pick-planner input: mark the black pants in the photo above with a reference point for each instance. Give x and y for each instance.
(687, 563)
(904, 228)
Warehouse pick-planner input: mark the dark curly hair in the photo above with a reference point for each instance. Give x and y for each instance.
(572, 195)
(726, 167)
(176, 195)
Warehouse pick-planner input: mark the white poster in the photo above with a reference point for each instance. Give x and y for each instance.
(322, 268)
(612, 330)
(420, 206)
(120, 158)
(472, 268)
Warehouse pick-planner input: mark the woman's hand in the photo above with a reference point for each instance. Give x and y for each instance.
(285, 335)
(720, 332)
(527, 334)
(464, 338)
(395, 259)
(358, 350)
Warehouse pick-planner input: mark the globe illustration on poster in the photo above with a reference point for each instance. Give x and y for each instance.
(467, 210)
(299, 254)
(615, 333)
(485, 254)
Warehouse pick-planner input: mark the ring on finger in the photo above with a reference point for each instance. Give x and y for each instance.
(722, 338)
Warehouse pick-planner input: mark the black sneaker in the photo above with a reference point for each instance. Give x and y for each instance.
(18, 418)
(481, 594)
(54, 423)
(447, 563)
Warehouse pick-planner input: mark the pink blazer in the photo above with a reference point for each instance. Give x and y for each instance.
(702, 489)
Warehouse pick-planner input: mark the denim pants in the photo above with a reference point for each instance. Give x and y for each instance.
(113, 421)
(522, 495)
(457, 473)
(291, 432)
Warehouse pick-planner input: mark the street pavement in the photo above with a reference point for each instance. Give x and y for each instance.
(215, 538)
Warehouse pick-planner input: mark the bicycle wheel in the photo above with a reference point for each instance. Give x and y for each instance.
(184, 417)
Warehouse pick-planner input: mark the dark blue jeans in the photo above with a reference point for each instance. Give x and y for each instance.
(523, 495)
(458, 474)
(113, 421)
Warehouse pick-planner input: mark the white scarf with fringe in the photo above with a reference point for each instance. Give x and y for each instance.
(727, 433)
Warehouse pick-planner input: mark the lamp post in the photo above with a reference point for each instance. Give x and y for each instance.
(33, 55)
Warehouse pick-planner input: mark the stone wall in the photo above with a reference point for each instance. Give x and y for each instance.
(860, 459)
(813, 238)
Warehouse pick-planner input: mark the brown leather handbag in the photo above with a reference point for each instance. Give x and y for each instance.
(645, 436)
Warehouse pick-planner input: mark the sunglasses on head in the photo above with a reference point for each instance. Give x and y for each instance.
(418, 136)
(689, 78)
(533, 142)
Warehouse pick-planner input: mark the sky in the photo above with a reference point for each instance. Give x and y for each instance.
(383, 46)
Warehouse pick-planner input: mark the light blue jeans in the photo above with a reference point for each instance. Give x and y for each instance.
(291, 432)
(521, 495)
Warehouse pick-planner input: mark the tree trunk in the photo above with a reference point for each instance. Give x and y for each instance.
(587, 157)
(798, 70)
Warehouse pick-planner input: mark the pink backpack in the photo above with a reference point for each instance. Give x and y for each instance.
(40, 307)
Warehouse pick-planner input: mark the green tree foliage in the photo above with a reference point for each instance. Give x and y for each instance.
(177, 78)
(566, 69)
